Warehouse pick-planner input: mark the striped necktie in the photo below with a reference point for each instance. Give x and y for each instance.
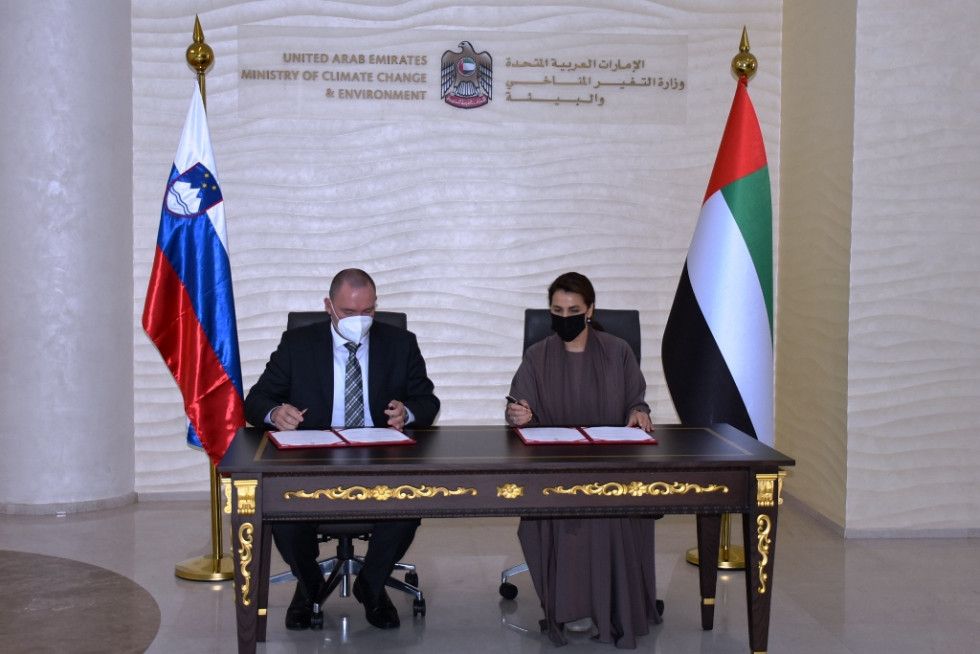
(353, 391)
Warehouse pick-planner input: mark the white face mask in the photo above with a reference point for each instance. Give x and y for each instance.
(354, 328)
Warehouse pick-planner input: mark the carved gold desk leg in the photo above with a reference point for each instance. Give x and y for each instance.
(759, 531)
(243, 518)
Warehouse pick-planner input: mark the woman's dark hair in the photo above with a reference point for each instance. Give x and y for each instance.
(573, 282)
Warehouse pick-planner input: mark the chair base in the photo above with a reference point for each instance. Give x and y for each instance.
(339, 573)
(507, 589)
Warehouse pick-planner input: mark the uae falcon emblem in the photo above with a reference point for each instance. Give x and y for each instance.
(467, 77)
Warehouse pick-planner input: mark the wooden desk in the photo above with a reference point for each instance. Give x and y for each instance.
(488, 471)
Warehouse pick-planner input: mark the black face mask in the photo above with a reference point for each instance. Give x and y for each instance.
(567, 327)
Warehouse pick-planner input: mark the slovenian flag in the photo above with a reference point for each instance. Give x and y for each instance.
(189, 312)
(717, 346)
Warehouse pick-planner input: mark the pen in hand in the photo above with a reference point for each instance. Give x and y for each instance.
(513, 400)
(397, 414)
(301, 412)
(286, 417)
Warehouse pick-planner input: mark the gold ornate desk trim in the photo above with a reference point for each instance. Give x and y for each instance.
(380, 493)
(764, 524)
(226, 490)
(636, 489)
(510, 491)
(245, 491)
(769, 489)
(245, 560)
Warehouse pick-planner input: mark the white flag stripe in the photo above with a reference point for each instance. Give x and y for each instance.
(195, 147)
(727, 289)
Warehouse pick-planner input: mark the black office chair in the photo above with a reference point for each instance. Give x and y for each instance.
(339, 568)
(624, 323)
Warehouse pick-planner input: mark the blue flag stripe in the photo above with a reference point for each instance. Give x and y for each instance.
(207, 277)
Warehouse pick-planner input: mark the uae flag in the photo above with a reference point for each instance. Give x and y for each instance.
(718, 343)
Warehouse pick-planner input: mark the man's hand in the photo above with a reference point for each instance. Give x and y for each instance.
(397, 415)
(286, 417)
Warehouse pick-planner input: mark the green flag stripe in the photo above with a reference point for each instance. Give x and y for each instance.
(750, 202)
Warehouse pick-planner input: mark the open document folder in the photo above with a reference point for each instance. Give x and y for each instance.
(352, 437)
(584, 435)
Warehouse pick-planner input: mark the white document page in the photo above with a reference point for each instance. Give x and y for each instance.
(373, 436)
(552, 435)
(306, 438)
(617, 434)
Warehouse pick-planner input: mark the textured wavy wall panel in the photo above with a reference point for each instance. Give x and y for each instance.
(463, 225)
(814, 255)
(914, 357)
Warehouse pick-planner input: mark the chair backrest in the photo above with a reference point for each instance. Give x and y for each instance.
(624, 323)
(302, 318)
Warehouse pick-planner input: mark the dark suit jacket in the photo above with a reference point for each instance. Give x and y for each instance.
(300, 372)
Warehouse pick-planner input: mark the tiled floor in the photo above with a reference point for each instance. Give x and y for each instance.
(830, 595)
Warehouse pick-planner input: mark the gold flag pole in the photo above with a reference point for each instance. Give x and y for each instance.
(732, 557)
(216, 566)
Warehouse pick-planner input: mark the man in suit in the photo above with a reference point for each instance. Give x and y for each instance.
(350, 372)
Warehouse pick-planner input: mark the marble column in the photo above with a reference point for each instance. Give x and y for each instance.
(66, 263)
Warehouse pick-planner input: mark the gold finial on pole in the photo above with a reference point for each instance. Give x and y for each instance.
(744, 63)
(200, 57)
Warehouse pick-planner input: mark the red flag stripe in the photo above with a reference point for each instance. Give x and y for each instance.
(211, 401)
(742, 150)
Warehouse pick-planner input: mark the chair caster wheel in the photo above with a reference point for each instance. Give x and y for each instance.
(412, 579)
(418, 607)
(316, 620)
(508, 590)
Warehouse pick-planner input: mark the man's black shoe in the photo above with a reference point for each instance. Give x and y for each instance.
(300, 611)
(379, 611)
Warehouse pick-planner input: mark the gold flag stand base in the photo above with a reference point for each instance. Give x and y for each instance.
(215, 566)
(206, 568)
(733, 559)
(729, 557)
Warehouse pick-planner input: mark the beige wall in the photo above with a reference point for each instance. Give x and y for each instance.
(914, 336)
(814, 251)
(878, 356)
(463, 222)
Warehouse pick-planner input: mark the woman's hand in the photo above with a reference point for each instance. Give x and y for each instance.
(519, 413)
(640, 419)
